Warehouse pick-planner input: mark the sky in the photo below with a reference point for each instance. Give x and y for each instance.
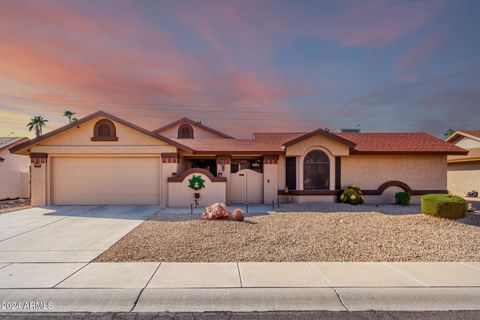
(243, 66)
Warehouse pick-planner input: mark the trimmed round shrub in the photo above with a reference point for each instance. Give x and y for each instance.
(352, 195)
(402, 198)
(444, 206)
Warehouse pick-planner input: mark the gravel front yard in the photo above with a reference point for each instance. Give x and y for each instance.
(301, 236)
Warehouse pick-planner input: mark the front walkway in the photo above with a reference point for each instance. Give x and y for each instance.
(241, 287)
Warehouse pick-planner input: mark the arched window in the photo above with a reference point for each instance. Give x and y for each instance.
(104, 130)
(316, 171)
(185, 131)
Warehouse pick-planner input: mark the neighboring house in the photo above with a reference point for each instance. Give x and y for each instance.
(102, 159)
(14, 170)
(464, 170)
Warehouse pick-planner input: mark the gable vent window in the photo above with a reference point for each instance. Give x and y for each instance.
(104, 130)
(185, 131)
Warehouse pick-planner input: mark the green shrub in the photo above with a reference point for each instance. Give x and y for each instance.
(402, 198)
(444, 205)
(352, 195)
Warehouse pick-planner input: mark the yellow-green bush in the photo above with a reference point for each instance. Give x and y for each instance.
(352, 195)
(444, 206)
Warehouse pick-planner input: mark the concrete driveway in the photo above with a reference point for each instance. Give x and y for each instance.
(66, 233)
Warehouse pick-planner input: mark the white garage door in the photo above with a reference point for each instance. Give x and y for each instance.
(93, 181)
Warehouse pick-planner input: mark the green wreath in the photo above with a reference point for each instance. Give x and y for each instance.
(196, 183)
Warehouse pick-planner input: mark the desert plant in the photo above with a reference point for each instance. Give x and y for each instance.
(402, 198)
(352, 195)
(444, 206)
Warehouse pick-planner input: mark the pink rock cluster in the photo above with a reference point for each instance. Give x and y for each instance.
(238, 215)
(217, 211)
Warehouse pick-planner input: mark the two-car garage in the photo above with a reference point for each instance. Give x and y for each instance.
(105, 180)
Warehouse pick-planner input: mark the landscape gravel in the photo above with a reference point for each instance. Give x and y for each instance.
(389, 233)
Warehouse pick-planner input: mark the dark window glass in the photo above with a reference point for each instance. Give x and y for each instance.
(316, 171)
(234, 167)
(104, 131)
(291, 173)
(185, 132)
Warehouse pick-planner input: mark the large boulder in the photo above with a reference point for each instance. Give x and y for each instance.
(217, 211)
(238, 215)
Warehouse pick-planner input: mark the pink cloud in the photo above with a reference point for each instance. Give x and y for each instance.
(59, 58)
(421, 51)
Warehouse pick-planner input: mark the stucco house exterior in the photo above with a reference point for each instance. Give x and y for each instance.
(14, 170)
(103, 159)
(464, 170)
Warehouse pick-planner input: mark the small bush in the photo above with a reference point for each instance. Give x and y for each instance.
(352, 195)
(402, 198)
(444, 206)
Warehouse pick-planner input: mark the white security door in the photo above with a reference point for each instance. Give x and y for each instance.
(246, 185)
(104, 181)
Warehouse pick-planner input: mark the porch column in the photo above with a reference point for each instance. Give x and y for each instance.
(38, 178)
(170, 162)
(270, 179)
(223, 168)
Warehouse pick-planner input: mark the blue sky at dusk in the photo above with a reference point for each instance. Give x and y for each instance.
(243, 66)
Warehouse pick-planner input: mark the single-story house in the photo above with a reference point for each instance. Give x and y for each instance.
(14, 170)
(103, 159)
(464, 170)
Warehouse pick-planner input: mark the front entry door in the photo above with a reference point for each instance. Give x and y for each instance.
(246, 186)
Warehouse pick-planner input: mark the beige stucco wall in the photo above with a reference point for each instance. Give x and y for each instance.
(39, 185)
(14, 175)
(466, 142)
(198, 133)
(335, 148)
(270, 183)
(281, 173)
(225, 170)
(419, 172)
(180, 195)
(76, 142)
(331, 147)
(463, 177)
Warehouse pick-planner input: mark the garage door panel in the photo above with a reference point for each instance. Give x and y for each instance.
(105, 181)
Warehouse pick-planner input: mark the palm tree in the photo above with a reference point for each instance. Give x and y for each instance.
(448, 133)
(37, 123)
(70, 115)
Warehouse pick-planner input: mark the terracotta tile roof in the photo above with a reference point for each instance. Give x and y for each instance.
(215, 145)
(277, 138)
(473, 155)
(419, 143)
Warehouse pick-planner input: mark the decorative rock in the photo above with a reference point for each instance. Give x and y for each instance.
(238, 215)
(217, 211)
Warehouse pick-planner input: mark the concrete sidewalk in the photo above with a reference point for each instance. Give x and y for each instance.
(240, 287)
